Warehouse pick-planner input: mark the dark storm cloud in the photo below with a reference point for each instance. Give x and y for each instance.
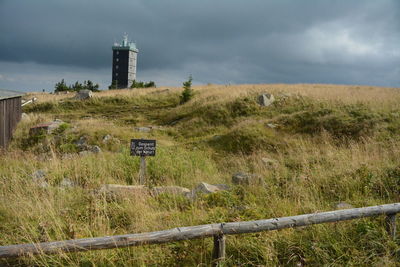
(217, 41)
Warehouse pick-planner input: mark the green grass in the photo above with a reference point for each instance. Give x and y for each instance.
(327, 151)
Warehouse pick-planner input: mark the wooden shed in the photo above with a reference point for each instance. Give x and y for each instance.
(10, 115)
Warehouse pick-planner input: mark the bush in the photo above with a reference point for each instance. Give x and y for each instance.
(136, 84)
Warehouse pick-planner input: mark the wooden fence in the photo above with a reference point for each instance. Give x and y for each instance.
(217, 230)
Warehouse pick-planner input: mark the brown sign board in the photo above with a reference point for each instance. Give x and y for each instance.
(143, 147)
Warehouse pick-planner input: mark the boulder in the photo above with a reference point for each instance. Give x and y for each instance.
(84, 94)
(143, 129)
(204, 188)
(124, 190)
(242, 178)
(343, 205)
(173, 190)
(271, 125)
(95, 149)
(107, 138)
(85, 153)
(45, 128)
(266, 99)
(67, 183)
(39, 178)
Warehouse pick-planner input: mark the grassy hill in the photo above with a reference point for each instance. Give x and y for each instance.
(329, 144)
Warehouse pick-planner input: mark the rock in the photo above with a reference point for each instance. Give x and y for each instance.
(84, 94)
(343, 205)
(107, 138)
(143, 129)
(24, 116)
(85, 153)
(269, 162)
(266, 99)
(39, 174)
(242, 178)
(39, 177)
(205, 188)
(45, 128)
(95, 149)
(81, 141)
(173, 190)
(271, 125)
(124, 190)
(67, 183)
(68, 156)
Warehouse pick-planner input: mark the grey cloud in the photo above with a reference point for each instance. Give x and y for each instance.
(216, 41)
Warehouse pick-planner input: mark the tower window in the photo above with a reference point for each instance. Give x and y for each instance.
(116, 74)
(117, 52)
(117, 59)
(117, 67)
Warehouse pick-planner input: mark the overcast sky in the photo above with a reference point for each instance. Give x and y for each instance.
(217, 41)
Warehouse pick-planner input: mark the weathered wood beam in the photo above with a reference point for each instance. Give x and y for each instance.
(391, 224)
(192, 232)
(219, 249)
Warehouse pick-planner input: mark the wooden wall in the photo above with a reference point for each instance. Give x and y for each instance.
(10, 115)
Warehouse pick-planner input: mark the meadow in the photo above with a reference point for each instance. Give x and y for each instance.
(330, 144)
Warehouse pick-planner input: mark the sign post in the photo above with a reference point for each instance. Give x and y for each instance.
(143, 148)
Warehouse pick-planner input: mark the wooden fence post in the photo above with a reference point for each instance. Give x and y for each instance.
(142, 170)
(219, 250)
(391, 224)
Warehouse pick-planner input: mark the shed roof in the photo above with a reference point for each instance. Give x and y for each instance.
(4, 94)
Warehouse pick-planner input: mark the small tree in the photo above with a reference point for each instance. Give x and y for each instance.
(187, 93)
(61, 86)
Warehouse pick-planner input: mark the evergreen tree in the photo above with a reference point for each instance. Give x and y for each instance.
(187, 93)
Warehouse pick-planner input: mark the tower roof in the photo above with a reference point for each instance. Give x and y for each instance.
(125, 45)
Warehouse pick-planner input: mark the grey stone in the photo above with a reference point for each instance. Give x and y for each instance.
(84, 94)
(95, 149)
(124, 190)
(67, 183)
(174, 190)
(242, 178)
(81, 141)
(85, 153)
(39, 177)
(107, 138)
(24, 116)
(343, 205)
(143, 129)
(68, 156)
(39, 174)
(271, 125)
(205, 188)
(266, 99)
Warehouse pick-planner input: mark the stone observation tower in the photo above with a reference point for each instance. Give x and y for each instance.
(124, 63)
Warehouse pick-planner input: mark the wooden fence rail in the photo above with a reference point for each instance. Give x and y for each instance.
(217, 230)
